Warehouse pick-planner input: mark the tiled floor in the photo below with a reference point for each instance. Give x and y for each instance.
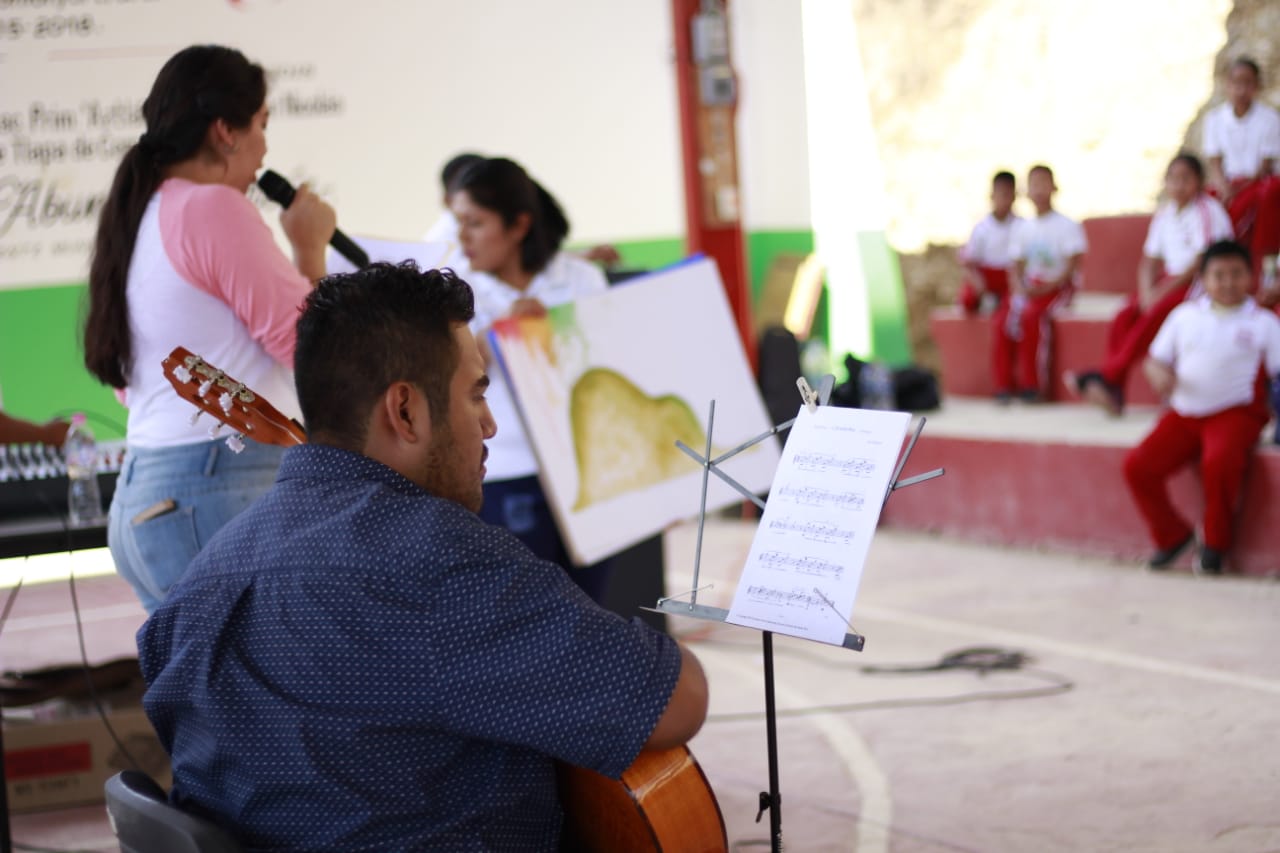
(1145, 720)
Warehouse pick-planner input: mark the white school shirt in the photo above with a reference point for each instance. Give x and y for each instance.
(1242, 142)
(1045, 243)
(991, 243)
(1215, 354)
(565, 279)
(1178, 236)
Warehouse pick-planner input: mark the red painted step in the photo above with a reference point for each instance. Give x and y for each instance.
(1109, 273)
(964, 347)
(1054, 490)
(1115, 250)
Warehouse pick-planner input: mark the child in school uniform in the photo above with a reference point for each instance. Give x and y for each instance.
(987, 255)
(1046, 255)
(1211, 359)
(1242, 144)
(1188, 221)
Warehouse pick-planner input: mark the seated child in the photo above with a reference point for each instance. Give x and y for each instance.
(986, 257)
(1206, 360)
(1187, 222)
(1046, 254)
(1242, 144)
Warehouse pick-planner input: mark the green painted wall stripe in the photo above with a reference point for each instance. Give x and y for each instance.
(42, 375)
(763, 246)
(41, 364)
(650, 254)
(887, 299)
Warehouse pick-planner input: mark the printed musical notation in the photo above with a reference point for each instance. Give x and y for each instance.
(785, 598)
(782, 561)
(814, 531)
(818, 523)
(811, 496)
(826, 463)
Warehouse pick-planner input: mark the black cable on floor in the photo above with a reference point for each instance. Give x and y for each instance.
(980, 659)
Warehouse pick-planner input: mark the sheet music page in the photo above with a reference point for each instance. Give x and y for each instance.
(805, 563)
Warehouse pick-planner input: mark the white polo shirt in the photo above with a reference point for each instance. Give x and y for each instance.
(991, 243)
(567, 278)
(1215, 353)
(1242, 142)
(1177, 236)
(1045, 243)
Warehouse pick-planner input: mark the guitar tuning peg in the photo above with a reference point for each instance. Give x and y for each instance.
(236, 443)
(182, 373)
(195, 416)
(225, 402)
(204, 387)
(215, 430)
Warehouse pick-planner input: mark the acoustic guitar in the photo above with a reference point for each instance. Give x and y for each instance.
(662, 803)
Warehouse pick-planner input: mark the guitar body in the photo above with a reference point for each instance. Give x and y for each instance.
(662, 803)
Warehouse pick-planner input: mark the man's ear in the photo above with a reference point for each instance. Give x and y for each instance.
(405, 414)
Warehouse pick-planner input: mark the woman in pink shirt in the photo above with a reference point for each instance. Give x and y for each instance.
(183, 258)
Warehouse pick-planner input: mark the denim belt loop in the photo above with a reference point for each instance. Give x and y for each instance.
(211, 464)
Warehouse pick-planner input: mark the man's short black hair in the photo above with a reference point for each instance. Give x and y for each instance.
(1004, 177)
(362, 331)
(1225, 249)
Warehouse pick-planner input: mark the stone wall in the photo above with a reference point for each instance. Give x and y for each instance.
(1253, 30)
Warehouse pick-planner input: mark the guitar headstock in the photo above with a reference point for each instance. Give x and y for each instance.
(228, 401)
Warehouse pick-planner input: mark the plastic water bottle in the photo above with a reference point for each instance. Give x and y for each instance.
(875, 386)
(84, 500)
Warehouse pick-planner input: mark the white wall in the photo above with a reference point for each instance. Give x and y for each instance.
(581, 92)
(768, 53)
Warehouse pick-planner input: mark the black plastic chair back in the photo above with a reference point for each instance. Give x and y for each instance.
(145, 822)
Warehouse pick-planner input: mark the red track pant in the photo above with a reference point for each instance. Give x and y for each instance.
(1020, 355)
(1223, 443)
(994, 280)
(1255, 213)
(1132, 331)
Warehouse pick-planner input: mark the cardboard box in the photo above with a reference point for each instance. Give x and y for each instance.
(51, 763)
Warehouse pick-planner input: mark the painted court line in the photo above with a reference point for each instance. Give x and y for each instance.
(875, 813)
(1077, 650)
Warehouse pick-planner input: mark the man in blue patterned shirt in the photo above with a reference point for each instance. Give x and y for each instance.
(357, 662)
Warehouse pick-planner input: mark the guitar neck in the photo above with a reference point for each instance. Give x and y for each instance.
(230, 402)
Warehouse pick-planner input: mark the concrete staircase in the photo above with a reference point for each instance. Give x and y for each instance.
(1080, 332)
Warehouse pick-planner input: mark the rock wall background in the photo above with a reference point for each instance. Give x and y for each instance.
(1105, 92)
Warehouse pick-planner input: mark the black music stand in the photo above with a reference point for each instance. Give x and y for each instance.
(770, 800)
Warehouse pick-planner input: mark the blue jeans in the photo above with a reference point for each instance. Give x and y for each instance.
(169, 501)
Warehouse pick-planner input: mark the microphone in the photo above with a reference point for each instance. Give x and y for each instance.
(278, 189)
